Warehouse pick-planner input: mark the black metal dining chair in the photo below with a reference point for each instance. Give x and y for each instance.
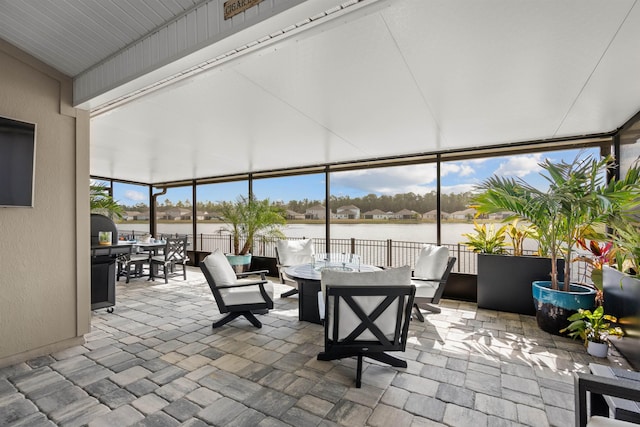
(174, 254)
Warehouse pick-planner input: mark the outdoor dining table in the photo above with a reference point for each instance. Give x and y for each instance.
(151, 247)
(308, 276)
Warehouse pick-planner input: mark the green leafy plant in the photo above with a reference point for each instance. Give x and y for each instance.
(576, 201)
(486, 239)
(518, 233)
(101, 202)
(626, 240)
(247, 217)
(592, 326)
(600, 254)
(624, 224)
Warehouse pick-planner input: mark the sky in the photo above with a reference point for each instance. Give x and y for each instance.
(457, 177)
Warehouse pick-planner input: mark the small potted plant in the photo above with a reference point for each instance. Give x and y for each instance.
(594, 328)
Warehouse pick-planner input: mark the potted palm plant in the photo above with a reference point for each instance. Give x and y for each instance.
(576, 203)
(247, 219)
(594, 328)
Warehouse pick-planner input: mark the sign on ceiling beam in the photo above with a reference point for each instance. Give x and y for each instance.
(234, 7)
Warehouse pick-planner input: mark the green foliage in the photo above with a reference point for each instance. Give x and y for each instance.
(420, 203)
(247, 217)
(518, 233)
(595, 327)
(625, 223)
(101, 202)
(577, 200)
(486, 239)
(626, 238)
(600, 254)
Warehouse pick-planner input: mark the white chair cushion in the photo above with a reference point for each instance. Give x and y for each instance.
(608, 422)
(425, 288)
(432, 262)
(246, 294)
(220, 269)
(294, 252)
(348, 319)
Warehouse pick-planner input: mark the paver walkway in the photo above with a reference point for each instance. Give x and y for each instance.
(156, 361)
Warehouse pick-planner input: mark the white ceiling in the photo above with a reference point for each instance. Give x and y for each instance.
(406, 77)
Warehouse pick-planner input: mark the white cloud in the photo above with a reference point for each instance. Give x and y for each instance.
(389, 181)
(466, 170)
(520, 166)
(135, 196)
(457, 168)
(417, 179)
(457, 189)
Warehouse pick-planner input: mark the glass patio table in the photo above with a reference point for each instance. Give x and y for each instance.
(308, 278)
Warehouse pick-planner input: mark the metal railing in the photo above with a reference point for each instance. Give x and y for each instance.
(383, 253)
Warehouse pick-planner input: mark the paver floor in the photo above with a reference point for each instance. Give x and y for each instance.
(156, 361)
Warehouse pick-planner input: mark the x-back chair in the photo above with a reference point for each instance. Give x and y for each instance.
(595, 413)
(367, 314)
(174, 253)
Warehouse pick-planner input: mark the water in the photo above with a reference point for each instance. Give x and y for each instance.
(424, 232)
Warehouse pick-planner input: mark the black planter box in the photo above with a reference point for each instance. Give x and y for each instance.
(196, 257)
(622, 300)
(461, 287)
(264, 263)
(504, 281)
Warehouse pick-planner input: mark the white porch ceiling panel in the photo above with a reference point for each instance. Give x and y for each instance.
(415, 76)
(382, 78)
(73, 35)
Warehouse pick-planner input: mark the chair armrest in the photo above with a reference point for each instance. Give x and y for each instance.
(262, 274)
(243, 284)
(429, 280)
(616, 387)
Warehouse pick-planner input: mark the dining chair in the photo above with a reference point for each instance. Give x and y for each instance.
(590, 414)
(367, 314)
(131, 264)
(292, 252)
(430, 276)
(174, 253)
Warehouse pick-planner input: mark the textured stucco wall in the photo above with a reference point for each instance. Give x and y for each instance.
(44, 263)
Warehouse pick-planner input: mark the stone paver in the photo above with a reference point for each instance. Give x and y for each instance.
(150, 403)
(156, 361)
(384, 416)
(223, 412)
(123, 416)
